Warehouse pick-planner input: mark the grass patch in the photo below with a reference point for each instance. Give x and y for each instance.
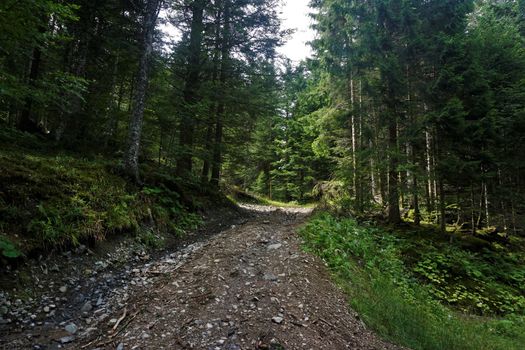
(387, 288)
(237, 195)
(293, 204)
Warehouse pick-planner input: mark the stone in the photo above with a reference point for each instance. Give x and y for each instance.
(67, 339)
(233, 347)
(277, 319)
(120, 346)
(63, 289)
(274, 246)
(71, 328)
(86, 307)
(3, 310)
(270, 277)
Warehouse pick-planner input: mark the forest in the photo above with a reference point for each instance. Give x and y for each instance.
(405, 129)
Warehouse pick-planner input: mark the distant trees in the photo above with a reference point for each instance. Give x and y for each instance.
(412, 107)
(226, 48)
(415, 115)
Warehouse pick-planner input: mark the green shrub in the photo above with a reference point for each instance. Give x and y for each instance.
(9, 249)
(150, 239)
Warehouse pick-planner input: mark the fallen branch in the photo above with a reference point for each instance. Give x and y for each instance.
(120, 319)
(119, 331)
(126, 324)
(326, 322)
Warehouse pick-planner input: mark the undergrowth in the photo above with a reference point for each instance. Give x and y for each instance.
(419, 293)
(51, 199)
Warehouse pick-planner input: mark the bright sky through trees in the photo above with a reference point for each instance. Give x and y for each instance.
(295, 16)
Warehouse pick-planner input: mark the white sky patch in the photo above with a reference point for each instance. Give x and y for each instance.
(171, 33)
(295, 16)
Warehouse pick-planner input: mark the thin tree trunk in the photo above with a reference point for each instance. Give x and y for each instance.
(131, 156)
(111, 116)
(225, 58)
(440, 188)
(373, 185)
(502, 203)
(353, 132)
(206, 166)
(206, 162)
(191, 87)
(486, 197)
(472, 212)
(26, 123)
(394, 216)
(443, 223)
(415, 190)
(430, 204)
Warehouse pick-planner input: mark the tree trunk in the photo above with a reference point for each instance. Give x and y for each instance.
(131, 156)
(472, 212)
(217, 151)
(415, 191)
(26, 123)
(206, 166)
(225, 58)
(206, 162)
(191, 87)
(353, 135)
(394, 216)
(111, 116)
(442, 221)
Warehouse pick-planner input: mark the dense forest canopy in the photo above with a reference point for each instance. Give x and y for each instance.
(409, 109)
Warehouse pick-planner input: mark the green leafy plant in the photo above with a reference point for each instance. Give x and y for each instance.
(150, 239)
(8, 248)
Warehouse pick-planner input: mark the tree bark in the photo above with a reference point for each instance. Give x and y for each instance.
(131, 156)
(415, 190)
(394, 216)
(191, 87)
(26, 123)
(206, 166)
(442, 221)
(225, 58)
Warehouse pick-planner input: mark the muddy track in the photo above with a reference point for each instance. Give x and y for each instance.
(249, 287)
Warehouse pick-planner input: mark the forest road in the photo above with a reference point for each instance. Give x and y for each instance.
(250, 287)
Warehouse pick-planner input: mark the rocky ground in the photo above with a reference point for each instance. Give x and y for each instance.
(248, 287)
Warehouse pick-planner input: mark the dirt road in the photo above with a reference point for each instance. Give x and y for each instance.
(249, 287)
